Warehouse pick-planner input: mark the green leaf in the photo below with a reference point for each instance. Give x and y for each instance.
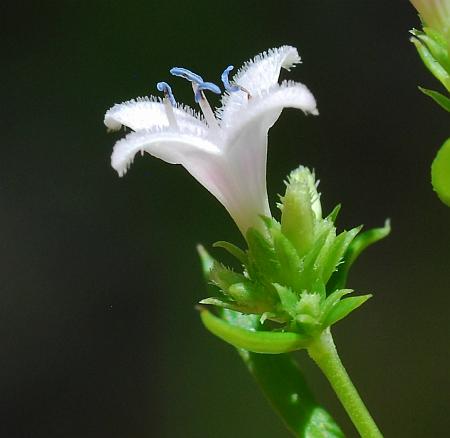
(356, 247)
(431, 63)
(282, 382)
(234, 250)
(439, 98)
(254, 341)
(440, 173)
(343, 308)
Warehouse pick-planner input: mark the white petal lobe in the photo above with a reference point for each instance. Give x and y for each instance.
(147, 113)
(256, 76)
(171, 146)
(267, 107)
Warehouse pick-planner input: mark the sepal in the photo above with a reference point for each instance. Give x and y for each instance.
(433, 50)
(343, 307)
(354, 250)
(439, 98)
(251, 340)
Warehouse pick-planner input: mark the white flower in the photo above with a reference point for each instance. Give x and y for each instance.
(226, 151)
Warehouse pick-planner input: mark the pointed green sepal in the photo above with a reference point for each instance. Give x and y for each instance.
(439, 98)
(234, 250)
(220, 303)
(287, 256)
(332, 300)
(334, 213)
(224, 277)
(288, 299)
(336, 252)
(356, 247)
(438, 71)
(206, 261)
(262, 261)
(343, 308)
(254, 341)
(440, 173)
(436, 44)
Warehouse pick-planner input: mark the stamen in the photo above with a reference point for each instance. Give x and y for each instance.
(205, 86)
(205, 107)
(186, 74)
(232, 88)
(199, 85)
(167, 90)
(226, 81)
(169, 103)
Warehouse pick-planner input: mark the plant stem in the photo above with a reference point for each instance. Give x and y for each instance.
(323, 352)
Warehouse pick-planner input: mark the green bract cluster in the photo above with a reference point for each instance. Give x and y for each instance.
(294, 271)
(433, 48)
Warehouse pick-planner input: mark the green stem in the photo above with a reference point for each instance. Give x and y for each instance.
(323, 352)
(283, 384)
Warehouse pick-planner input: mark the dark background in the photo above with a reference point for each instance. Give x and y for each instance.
(98, 332)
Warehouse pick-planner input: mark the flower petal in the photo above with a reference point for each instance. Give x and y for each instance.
(147, 113)
(263, 111)
(174, 147)
(206, 163)
(246, 148)
(257, 75)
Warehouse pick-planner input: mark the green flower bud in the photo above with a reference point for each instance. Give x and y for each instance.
(301, 209)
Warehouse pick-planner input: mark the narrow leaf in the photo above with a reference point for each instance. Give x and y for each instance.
(439, 98)
(234, 250)
(332, 300)
(356, 247)
(255, 341)
(343, 308)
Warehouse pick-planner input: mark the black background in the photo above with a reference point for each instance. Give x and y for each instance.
(98, 332)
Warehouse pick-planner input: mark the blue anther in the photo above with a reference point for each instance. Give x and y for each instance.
(226, 81)
(167, 90)
(205, 86)
(186, 74)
